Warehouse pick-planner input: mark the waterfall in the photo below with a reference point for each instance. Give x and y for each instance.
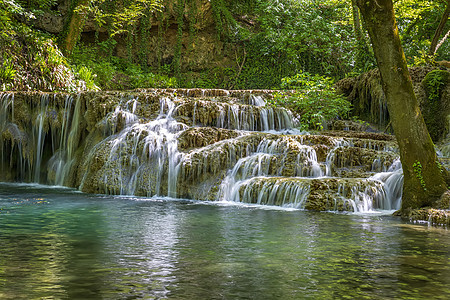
(142, 155)
(270, 191)
(240, 117)
(392, 181)
(62, 161)
(197, 144)
(6, 104)
(39, 136)
(272, 158)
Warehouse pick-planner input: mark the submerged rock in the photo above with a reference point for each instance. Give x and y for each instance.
(430, 215)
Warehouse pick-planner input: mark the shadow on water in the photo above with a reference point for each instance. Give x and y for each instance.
(59, 243)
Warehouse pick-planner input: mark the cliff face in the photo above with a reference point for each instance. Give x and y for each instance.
(158, 37)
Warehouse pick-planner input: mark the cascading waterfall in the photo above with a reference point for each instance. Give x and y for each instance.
(264, 190)
(142, 151)
(270, 160)
(132, 144)
(62, 161)
(331, 157)
(39, 136)
(246, 118)
(256, 179)
(40, 145)
(392, 180)
(6, 105)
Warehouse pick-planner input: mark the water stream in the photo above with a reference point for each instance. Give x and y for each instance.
(203, 145)
(62, 244)
(201, 194)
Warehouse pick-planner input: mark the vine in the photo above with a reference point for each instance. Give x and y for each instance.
(163, 25)
(176, 63)
(417, 166)
(440, 166)
(192, 17)
(76, 7)
(145, 25)
(222, 17)
(434, 83)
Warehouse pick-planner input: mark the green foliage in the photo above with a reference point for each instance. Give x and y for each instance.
(417, 166)
(122, 15)
(433, 110)
(87, 78)
(223, 17)
(140, 79)
(112, 73)
(304, 80)
(268, 39)
(287, 36)
(7, 74)
(434, 83)
(313, 98)
(210, 79)
(417, 22)
(29, 59)
(422, 58)
(364, 58)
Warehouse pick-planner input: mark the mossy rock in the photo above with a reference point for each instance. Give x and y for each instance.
(434, 83)
(369, 102)
(430, 215)
(436, 107)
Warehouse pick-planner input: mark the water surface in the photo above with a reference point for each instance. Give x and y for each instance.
(57, 243)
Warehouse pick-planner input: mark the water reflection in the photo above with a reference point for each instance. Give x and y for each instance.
(142, 244)
(57, 243)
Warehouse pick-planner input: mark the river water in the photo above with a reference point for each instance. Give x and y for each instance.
(58, 243)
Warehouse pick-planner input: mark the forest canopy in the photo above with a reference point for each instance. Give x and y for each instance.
(73, 45)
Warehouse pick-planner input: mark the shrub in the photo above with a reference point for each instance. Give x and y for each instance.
(313, 98)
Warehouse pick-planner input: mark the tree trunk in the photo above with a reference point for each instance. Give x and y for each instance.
(439, 29)
(76, 23)
(423, 179)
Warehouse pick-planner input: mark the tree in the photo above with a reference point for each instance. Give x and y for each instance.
(424, 178)
(417, 21)
(439, 30)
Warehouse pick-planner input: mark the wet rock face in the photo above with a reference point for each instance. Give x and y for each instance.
(199, 137)
(444, 201)
(366, 94)
(362, 135)
(365, 159)
(197, 144)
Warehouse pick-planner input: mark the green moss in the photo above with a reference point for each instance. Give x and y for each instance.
(434, 83)
(433, 110)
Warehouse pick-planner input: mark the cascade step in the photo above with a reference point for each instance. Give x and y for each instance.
(322, 194)
(193, 143)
